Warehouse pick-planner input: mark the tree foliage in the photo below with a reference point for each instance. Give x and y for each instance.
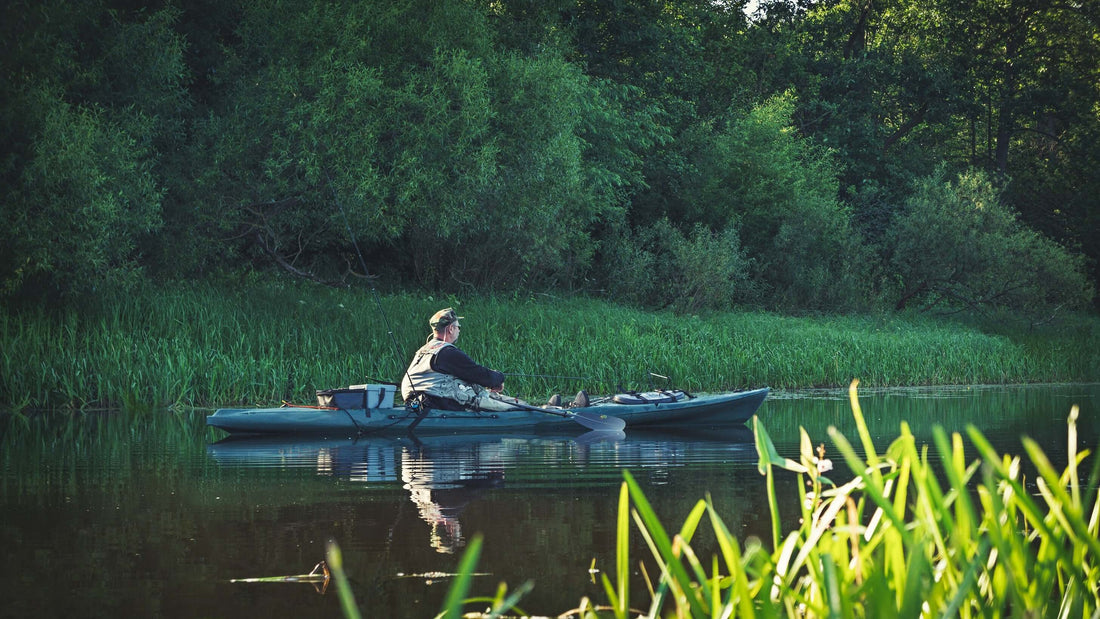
(781, 190)
(461, 149)
(82, 129)
(658, 265)
(958, 247)
(674, 153)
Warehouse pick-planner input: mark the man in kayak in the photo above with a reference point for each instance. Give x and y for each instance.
(445, 378)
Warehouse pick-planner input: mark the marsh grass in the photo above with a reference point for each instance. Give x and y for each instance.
(203, 346)
(909, 536)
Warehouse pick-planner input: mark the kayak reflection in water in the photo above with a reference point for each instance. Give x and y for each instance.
(441, 488)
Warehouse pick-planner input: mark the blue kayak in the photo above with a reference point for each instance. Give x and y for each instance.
(370, 409)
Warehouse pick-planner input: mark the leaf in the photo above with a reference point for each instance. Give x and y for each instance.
(663, 549)
(768, 456)
(452, 605)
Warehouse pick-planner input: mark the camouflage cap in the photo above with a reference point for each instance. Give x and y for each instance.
(443, 318)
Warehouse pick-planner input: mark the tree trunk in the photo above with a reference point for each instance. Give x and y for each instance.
(908, 296)
(1006, 118)
(858, 38)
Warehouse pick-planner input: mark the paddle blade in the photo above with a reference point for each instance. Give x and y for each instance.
(595, 421)
(600, 436)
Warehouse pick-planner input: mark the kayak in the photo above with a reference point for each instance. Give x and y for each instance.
(370, 409)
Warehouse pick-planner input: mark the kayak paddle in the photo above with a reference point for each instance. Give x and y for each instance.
(590, 420)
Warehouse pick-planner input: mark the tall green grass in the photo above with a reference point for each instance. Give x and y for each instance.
(909, 535)
(198, 345)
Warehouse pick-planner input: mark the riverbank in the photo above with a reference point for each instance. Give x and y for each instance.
(204, 346)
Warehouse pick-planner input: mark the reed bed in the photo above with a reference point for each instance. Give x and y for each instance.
(907, 535)
(200, 345)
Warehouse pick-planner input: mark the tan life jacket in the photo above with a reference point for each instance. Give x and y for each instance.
(421, 378)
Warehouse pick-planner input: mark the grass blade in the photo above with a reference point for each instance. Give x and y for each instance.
(335, 561)
(456, 595)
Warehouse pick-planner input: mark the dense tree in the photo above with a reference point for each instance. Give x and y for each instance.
(1036, 80)
(901, 87)
(318, 121)
(90, 97)
(658, 265)
(669, 152)
(875, 83)
(429, 147)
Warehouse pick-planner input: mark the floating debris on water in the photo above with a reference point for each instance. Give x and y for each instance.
(319, 577)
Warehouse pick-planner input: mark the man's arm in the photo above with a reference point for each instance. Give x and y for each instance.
(453, 361)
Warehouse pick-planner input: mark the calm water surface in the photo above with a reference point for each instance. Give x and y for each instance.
(112, 516)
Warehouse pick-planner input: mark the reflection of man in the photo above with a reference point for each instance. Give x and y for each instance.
(446, 377)
(441, 489)
(446, 529)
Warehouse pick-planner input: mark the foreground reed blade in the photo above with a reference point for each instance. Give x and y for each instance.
(343, 589)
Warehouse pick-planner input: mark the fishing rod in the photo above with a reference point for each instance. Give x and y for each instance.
(649, 379)
(547, 376)
(653, 375)
(366, 273)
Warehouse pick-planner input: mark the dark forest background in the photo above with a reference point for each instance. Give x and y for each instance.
(838, 155)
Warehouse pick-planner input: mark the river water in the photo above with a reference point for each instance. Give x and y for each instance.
(110, 515)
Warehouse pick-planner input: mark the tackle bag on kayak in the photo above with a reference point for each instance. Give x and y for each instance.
(358, 397)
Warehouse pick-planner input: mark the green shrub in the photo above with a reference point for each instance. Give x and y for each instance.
(957, 247)
(780, 190)
(83, 200)
(659, 266)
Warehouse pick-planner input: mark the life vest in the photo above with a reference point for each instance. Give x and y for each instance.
(421, 378)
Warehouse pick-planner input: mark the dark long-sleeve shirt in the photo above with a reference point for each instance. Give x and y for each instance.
(451, 360)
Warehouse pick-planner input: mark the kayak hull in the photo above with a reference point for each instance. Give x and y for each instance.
(703, 410)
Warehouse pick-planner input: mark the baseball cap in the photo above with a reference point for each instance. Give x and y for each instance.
(443, 318)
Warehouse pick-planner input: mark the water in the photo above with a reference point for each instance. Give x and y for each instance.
(104, 516)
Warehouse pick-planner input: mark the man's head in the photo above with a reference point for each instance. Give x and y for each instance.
(445, 324)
